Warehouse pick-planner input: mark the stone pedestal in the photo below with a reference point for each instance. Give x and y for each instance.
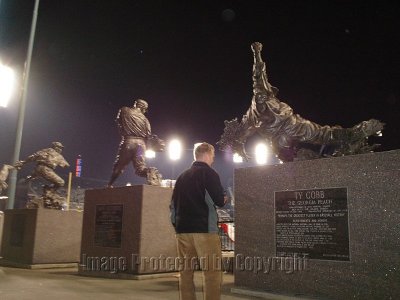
(41, 236)
(127, 231)
(1, 228)
(3, 203)
(327, 228)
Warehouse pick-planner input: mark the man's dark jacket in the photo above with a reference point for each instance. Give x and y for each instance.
(197, 191)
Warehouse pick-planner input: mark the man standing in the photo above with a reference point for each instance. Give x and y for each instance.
(197, 191)
(135, 131)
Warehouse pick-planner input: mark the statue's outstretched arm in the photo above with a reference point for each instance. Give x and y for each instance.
(260, 78)
(19, 164)
(235, 135)
(118, 121)
(63, 162)
(259, 72)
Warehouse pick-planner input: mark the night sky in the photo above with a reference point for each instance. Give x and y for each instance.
(334, 62)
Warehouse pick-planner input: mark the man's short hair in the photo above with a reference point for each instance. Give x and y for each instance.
(203, 148)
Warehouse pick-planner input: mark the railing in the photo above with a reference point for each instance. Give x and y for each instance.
(227, 235)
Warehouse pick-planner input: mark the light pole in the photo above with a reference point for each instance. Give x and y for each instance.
(21, 114)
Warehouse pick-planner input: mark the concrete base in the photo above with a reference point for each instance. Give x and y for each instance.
(344, 213)
(127, 231)
(127, 276)
(1, 228)
(267, 295)
(7, 263)
(41, 236)
(3, 203)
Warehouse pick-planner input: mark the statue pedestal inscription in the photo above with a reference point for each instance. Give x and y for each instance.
(33, 237)
(127, 232)
(324, 228)
(313, 223)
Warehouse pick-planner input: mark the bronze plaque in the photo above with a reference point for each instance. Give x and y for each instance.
(312, 223)
(108, 230)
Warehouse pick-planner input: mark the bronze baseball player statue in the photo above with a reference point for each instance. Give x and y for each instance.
(136, 137)
(291, 136)
(46, 162)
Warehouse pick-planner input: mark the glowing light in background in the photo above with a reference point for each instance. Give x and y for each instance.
(7, 82)
(261, 154)
(175, 150)
(150, 153)
(237, 159)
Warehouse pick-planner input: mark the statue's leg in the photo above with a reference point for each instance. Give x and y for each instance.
(358, 132)
(294, 132)
(122, 160)
(305, 131)
(139, 162)
(51, 176)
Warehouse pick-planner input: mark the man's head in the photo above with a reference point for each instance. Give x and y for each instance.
(204, 152)
(142, 105)
(57, 146)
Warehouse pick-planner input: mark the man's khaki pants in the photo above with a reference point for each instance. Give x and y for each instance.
(204, 250)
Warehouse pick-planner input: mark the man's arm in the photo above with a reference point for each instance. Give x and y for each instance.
(172, 214)
(214, 188)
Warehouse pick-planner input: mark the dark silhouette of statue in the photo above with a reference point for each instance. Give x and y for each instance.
(291, 136)
(136, 136)
(47, 160)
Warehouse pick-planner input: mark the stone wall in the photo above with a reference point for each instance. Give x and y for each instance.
(363, 215)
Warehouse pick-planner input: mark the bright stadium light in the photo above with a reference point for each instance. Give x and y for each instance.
(7, 83)
(175, 150)
(261, 153)
(237, 159)
(150, 153)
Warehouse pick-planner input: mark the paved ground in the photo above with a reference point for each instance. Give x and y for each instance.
(59, 284)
